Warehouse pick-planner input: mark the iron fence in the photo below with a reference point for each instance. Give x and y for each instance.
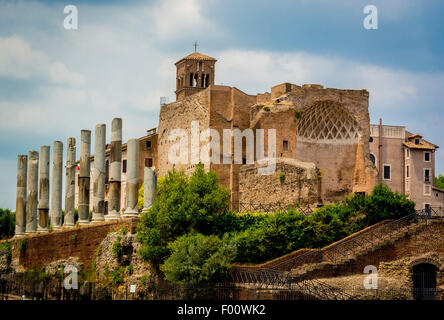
(273, 207)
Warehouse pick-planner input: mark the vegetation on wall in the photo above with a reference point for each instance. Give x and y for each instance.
(191, 236)
(439, 181)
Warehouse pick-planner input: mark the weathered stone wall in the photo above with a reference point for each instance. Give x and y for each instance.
(333, 124)
(80, 242)
(299, 185)
(179, 115)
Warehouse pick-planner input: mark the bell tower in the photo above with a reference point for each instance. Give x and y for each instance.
(194, 73)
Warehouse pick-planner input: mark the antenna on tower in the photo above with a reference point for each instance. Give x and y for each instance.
(195, 46)
(163, 101)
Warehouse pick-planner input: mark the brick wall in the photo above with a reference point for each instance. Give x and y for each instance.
(81, 242)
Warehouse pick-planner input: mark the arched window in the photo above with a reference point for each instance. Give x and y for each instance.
(373, 158)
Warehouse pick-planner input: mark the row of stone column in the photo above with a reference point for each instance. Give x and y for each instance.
(27, 182)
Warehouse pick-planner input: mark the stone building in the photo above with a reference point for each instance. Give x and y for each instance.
(322, 137)
(406, 163)
(325, 145)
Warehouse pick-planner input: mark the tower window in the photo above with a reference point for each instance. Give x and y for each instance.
(148, 144)
(416, 141)
(387, 172)
(427, 156)
(408, 171)
(207, 80)
(426, 175)
(148, 162)
(124, 166)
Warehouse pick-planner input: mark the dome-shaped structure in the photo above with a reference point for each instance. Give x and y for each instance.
(327, 121)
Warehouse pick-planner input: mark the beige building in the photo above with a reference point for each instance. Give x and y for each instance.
(325, 145)
(406, 163)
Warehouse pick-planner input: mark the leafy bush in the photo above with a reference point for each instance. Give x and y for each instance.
(266, 108)
(7, 223)
(6, 247)
(117, 249)
(184, 204)
(439, 181)
(117, 276)
(198, 258)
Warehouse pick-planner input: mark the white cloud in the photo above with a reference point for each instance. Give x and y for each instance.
(258, 71)
(19, 61)
(173, 18)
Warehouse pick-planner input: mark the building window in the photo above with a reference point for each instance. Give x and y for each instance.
(244, 160)
(285, 146)
(416, 141)
(148, 162)
(373, 158)
(124, 166)
(427, 156)
(148, 144)
(427, 175)
(407, 185)
(427, 190)
(387, 172)
(407, 172)
(371, 139)
(407, 151)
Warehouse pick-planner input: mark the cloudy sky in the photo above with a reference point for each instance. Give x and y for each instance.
(55, 82)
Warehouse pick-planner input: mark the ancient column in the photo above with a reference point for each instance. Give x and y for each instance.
(99, 174)
(84, 176)
(132, 179)
(20, 202)
(31, 198)
(56, 186)
(115, 170)
(149, 188)
(44, 190)
(70, 182)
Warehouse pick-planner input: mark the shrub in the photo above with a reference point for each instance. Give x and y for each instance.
(117, 249)
(198, 258)
(123, 231)
(117, 276)
(129, 269)
(6, 248)
(184, 204)
(297, 115)
(282, 177)
(7, 223)
(439, 181)
(266, 108)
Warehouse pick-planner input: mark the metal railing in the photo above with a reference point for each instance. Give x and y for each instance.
(273, 207)
(281, 275)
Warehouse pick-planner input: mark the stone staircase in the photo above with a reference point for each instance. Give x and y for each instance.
(332, 257)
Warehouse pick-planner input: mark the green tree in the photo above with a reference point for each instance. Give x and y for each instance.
(183, 204)
(198, 258)
(7, 223)
(439, 181)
